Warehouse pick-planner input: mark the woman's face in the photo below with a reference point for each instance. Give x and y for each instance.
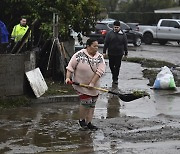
(93, 48)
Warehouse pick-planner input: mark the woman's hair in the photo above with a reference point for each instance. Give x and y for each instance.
(89, 42)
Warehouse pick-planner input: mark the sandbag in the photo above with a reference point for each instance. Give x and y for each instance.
(164, 79)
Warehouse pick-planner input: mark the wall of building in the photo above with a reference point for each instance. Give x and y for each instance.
(12, 72)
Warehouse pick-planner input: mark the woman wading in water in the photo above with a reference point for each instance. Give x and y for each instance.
(86, 66)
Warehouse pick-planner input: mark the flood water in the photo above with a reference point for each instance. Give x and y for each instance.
(131, 78)
(53, 128)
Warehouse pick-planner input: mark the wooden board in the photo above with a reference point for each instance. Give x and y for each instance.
(37, 82)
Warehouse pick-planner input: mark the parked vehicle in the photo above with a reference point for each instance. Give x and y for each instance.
(104, 26)
(133, 26)
(166, 30)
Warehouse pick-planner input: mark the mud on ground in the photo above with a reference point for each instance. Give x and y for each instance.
(133, 129)
(156, 135)
(53, 128)
(152, 67)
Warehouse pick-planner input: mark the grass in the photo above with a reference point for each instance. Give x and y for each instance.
(14, 101)
(57, 88)
(54, 88)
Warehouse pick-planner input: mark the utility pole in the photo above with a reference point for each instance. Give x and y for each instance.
(59, 46)
(55, 25)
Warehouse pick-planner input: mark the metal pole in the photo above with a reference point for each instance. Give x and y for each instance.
(55, 25)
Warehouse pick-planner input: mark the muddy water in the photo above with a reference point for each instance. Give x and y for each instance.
(48, 128)
(53, 128)
(141, 126)
(131, 78)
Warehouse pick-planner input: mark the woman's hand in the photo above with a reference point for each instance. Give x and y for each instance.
(91, 85)
(104, 55)
(68, 81)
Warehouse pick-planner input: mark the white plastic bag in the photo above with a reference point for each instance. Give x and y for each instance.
(164, 79)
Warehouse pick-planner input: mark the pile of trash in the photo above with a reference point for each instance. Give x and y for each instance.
(164, 79)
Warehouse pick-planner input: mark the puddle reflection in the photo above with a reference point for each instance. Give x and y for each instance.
(161, 102)
(108, 105)
(113, 107)
(54, 127)
(167, 104)
(50, 128)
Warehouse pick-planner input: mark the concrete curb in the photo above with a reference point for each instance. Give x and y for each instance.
(58, 98)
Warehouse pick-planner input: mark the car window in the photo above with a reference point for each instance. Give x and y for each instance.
(111, 25)
(132, 26)
(108, 26)
(164, 23)
(101, 26)
(124, 26)
(173, 24)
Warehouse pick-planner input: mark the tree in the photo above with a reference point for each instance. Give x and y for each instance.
(110, 5)
(80, 15)
(145, 5)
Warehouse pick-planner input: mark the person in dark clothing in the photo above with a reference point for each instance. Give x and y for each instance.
(116, 43)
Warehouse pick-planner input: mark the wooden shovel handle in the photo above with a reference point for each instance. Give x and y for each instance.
(87, 86)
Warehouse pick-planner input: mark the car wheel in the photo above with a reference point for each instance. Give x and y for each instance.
(137, 42)
(148, 38)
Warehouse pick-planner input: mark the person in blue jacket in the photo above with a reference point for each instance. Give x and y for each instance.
(4, 37)
(4, 34)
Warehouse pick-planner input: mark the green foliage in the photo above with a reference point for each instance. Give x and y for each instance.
(146, 18)
(80, 15)
(16, 101)
(140, 94)
(145, 5)
(141, 11)
(110, 5)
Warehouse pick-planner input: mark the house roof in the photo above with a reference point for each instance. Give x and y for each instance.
(175, 10)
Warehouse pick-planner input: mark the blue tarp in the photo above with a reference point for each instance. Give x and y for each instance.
(4, 34)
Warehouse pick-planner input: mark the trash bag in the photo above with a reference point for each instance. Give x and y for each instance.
(164, 79)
